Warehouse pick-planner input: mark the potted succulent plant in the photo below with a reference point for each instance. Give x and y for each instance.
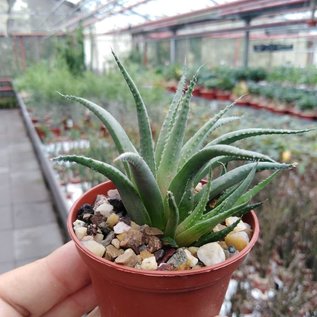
(161, 210)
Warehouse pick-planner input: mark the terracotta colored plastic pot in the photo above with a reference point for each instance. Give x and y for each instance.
(208, 94)
(127, 292)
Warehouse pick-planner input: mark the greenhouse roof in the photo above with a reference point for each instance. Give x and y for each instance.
(51, 17)
(34, 16)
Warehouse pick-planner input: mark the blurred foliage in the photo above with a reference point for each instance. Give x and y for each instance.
(294, 75)
(71, 51)
(303, 99)
(283, 85)
(7, 102)
(302, 147)
(42, 81)
(283, 267)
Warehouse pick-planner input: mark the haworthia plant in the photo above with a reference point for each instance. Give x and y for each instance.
(158, 188)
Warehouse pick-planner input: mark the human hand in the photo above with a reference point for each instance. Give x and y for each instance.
(57, 285)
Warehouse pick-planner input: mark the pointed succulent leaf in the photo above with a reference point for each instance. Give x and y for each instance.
(225, 195)
(170, 242)
(147, 187)
(212, 164)
(234, 196)
(146, 141)
(256, 189)
(224, 121)
(173, 216)
(246, 209)
(171, 153)
(198, 212)
(186, 203)
(128, 193)
(216, 236)
(236, 175)
(196, 142)
(200, 228)
(119, 136)
(220, 235)
(195, 163)
(234, 136)
(169, 120)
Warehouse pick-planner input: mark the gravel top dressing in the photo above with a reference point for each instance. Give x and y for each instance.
(105, 229)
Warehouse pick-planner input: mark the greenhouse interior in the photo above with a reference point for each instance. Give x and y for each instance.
(190, 109)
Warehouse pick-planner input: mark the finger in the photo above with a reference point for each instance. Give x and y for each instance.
(7, 310)
(75, 305)
(37, 287)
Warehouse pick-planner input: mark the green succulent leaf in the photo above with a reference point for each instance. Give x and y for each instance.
(173, 146)
(200, 228)
(220, 235)
(236, 175)
(186, 203)
(234, 136)
(173, 216)
(234, 196)
(198, 212)
(197, 141)
(256, 189)
(146, 141)
(119, 136)
(169, 120)
(147, 187)
(216, 236)
(197, 161)
(129, 195)
(224, 121)
(212, 164)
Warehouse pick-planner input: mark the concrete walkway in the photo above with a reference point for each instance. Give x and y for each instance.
(28, 224)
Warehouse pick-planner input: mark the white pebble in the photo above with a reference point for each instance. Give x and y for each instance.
(94, 247)
(128, 258)
(121, 227)
(87, 238)
(149, 263)
(116, 243)
(78, 223)
(105, 209)
(199, 187)
(211, 253)
(192, 261)
(80, 232)
(113, 194)
(98, 237)
(241, 226)
(237, 239)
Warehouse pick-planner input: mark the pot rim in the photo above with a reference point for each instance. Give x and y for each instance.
(227, 262)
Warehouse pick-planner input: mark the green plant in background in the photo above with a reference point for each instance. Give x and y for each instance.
(73, 53)
(106, 89)
(158, 185)
(8, 103)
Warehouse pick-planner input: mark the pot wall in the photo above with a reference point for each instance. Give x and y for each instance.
(128, 292)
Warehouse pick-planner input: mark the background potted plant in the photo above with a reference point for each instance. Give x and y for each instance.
(157, 187)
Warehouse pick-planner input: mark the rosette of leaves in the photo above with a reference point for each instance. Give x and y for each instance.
(157, 184)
